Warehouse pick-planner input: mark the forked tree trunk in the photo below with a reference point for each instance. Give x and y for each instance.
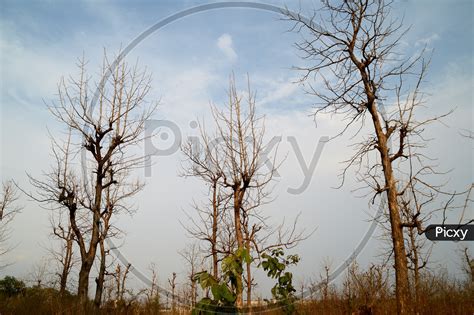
(87, 258)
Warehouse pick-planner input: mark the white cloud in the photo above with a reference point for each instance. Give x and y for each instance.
(225, 44)
(427, 40)
(281, 91)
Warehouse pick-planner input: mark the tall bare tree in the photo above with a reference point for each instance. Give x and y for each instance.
(105, 133)
(8, 210)
(116, 197)
(231, 163)
(354, 53)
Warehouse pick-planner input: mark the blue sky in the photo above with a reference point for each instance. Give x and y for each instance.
(191, 60)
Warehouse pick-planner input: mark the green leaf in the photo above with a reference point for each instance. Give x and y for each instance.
(227, 295)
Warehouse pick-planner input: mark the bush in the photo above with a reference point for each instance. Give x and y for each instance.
(10, 286)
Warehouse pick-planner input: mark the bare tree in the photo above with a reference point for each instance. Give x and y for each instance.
(152, 294)
(468, 264)
(363, 289)
(120, 277)
(231, 164)
(104, 133)
(417, 249)
(243, 170)
(8, 210)
(194, 260)
(172, 283)
(39, 274)
(64, 254)
(115, 203)
(354, 53)
(203, 160)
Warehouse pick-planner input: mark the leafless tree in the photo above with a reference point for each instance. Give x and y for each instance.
(39, 274)
(64, 254)
(468, 264)
(203, 160)
(363, 288)
(120, 277)
(233, 163)
(172, 283)
(354, 53)
(103, 135)
(115, 203)
(194, 261)
(8, 210)
(152, 295)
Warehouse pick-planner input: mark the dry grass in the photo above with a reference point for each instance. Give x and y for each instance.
(362, 292)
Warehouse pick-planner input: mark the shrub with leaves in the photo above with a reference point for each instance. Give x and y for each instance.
(223, 292)
(275, 265)
(10, 286)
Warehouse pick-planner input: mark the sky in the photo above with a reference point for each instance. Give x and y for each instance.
(191, 60)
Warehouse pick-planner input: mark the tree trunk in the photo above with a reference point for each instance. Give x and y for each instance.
(66, 265)
(249, 284)
(401, 265)
(83, 286)
(87, 260)
(240, 243)
(193, 293)
(416, 269)
(215, 215)
(101, 277)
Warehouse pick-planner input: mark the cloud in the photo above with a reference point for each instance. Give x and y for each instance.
(224, 42)
(281, 91)
(427, 41)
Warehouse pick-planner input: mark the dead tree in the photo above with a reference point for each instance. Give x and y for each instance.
(172, 283)
(204, 161)
(414, 216)
(194, 260)
(468, 264)
(120, 281)
(104, 132)
(39, 274)
(64, 255)
(244, 175)
(354, 53)
(204, 227)
(8, 210)
(152, 295)
(115, 203)
(232, 161)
